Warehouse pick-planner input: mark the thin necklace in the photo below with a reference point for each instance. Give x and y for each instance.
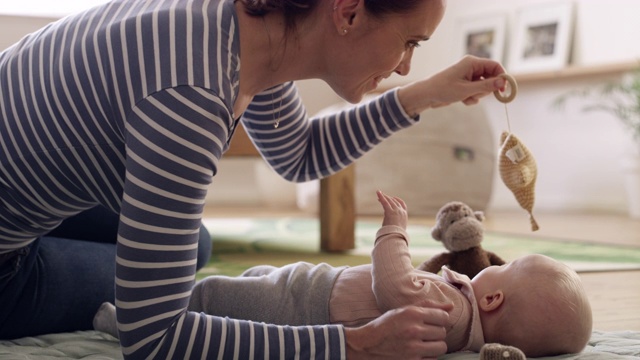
(276, 121)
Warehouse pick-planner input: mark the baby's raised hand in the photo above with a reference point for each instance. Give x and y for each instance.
(395, 210)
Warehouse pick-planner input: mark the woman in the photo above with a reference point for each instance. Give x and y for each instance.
(130, 106)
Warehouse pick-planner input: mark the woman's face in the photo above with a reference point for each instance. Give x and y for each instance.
(374, 49)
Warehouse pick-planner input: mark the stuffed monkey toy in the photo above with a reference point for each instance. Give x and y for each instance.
(461, 231)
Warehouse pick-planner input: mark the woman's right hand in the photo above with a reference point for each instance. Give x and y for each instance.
(406, 333)
(467, 81)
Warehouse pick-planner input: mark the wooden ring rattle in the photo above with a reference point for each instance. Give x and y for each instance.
(513, 87)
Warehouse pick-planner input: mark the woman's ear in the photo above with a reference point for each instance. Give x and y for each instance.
(345, 13)
(491, 301)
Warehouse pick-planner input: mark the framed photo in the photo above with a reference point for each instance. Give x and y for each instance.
(542, 38)
(481, 36)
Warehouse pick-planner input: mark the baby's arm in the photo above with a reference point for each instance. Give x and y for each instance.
(395, 283)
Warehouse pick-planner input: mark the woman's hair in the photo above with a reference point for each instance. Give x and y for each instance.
(296, 10)
(382, 8)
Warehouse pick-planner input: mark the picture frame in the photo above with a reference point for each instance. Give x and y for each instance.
(482, 36)
(542, 38)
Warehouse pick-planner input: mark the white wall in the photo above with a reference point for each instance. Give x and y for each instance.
(13, 28)
(577, 153)
(605, 31)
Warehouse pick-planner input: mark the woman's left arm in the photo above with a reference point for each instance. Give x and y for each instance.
(301, 148)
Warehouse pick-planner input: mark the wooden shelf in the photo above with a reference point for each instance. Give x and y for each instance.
(575, 72)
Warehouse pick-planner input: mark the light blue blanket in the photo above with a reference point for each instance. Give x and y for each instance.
(94, 345)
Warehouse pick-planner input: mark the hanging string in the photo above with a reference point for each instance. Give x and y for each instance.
(513, 90)
(508, 122)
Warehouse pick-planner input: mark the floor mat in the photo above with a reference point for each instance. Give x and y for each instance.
(283, 240)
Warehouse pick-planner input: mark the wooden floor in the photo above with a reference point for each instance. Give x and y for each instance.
(614, 296)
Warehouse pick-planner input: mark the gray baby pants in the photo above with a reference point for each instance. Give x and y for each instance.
(296, 294)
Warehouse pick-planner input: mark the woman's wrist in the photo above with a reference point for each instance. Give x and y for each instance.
(415, 98)
(408, 101)
(355, 343)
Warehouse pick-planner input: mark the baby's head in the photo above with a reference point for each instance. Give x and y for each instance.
(534, 303)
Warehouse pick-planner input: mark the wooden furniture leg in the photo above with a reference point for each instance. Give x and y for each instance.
(337, 211)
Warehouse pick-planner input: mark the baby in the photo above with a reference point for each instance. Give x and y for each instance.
(533, 303)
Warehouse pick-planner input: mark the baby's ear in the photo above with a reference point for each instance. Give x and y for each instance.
(491, 301)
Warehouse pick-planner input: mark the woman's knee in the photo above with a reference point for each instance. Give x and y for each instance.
(204, 247)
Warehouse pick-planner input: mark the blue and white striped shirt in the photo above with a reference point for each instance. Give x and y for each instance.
(130, 105)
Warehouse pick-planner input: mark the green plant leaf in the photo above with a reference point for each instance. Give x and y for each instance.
(620, 99)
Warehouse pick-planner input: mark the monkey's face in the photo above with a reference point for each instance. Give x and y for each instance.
(460, 230)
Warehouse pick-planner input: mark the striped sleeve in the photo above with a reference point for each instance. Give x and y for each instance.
(173, 143)
(302, 149)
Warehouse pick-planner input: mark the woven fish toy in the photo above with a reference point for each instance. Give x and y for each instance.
(518, 170)
(517, 167)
